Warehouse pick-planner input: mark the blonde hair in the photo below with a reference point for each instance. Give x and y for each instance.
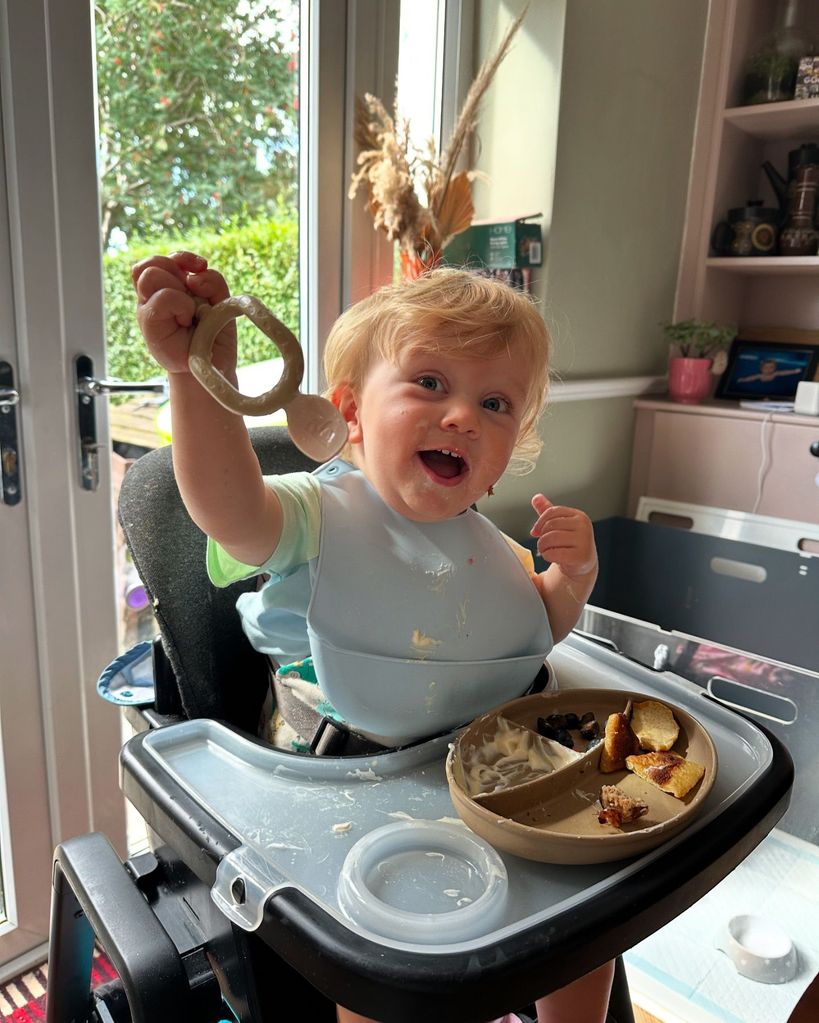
(452, 311)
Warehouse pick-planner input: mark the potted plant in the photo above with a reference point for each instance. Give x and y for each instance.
(695, 345)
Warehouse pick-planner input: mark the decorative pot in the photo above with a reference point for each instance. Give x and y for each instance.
(689, 380)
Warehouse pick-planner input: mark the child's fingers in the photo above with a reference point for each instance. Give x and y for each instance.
(190, 262)
(553, 516)
(179, 265)
(154, 278)
(163, 312)
(552, 538)
(209, 284)
(541, 503)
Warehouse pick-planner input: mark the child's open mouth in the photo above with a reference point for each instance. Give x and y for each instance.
(443, 465)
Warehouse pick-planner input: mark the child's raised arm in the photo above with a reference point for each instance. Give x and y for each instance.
(216, 468)
(565, 538)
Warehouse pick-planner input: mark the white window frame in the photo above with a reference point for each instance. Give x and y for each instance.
(354, 44)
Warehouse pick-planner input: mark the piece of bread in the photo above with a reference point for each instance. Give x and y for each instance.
(668, 771)
(618, 808)
(654, 725)
(618, 743)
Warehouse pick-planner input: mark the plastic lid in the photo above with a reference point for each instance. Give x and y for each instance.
(423, 881)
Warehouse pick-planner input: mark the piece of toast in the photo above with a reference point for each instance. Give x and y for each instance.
(668, 771)
(618, 743)
(618, 808)
(654, 725)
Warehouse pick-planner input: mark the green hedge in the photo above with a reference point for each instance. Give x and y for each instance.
(260, 258)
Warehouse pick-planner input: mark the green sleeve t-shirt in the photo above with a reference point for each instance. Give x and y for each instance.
(300, 496)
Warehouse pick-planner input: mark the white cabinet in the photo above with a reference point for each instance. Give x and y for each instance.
(726, 457)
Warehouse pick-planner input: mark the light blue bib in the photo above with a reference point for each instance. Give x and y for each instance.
(416, 627)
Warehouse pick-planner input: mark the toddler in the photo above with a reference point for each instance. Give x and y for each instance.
(379, 568)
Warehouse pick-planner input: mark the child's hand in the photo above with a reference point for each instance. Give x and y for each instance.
(169, 288)
(565, 538)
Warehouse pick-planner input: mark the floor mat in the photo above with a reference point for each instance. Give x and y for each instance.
(680, 969)
(23, 999)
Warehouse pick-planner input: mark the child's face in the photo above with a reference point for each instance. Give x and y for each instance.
(433, 432)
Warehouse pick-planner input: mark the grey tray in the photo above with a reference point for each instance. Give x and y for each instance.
(297, 818)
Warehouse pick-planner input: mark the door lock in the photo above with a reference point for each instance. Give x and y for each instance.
(10, 488)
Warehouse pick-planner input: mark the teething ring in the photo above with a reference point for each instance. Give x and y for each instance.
(211, 320)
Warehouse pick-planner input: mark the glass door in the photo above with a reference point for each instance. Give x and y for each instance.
(57, 620)
(198, 148)
(59, 224)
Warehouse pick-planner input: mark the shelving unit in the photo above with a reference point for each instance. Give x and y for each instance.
(718, 454)
(731, 144)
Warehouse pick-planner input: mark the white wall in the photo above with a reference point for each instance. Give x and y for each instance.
(628, 94)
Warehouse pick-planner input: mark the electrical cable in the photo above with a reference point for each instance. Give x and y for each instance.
(765, 438)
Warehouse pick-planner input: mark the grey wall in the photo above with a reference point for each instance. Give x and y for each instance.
(627, 104)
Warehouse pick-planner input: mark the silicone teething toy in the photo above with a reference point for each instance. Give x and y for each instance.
(315, 425)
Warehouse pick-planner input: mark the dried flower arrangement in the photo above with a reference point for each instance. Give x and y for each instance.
(390, 167)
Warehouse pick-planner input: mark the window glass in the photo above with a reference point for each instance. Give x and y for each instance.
(198, 148)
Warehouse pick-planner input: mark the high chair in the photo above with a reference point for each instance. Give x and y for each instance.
(235, 914)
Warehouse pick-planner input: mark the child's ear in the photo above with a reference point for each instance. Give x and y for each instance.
(345, 400)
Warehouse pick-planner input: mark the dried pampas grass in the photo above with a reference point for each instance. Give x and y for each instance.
(390, 166)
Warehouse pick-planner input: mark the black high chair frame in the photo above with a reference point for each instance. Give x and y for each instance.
(179, 957)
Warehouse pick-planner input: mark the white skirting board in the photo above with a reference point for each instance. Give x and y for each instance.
(680, 976)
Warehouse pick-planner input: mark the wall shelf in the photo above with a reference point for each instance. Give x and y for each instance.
(785, 266)
(771, 121)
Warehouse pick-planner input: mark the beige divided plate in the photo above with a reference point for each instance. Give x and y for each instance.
(553, 818)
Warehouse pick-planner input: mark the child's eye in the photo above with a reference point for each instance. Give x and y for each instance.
(496, 404)
(430, 383)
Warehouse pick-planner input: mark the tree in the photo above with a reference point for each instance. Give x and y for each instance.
(197, 112)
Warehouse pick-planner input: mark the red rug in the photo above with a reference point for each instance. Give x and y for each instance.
(23, 999)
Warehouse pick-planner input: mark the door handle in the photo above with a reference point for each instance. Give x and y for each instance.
(10, 486)
(88, 388)
(92, 388)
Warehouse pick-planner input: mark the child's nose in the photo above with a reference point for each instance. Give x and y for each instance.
(460, 415)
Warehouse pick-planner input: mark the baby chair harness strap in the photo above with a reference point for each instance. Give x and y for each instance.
(328, 737)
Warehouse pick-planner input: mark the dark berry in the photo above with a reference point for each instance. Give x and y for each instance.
(545, 729)
(565, 739)
(572, 721)
(590, 730)
(557, 720)
(586, 718)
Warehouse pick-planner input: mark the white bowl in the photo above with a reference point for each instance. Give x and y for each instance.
(759, 949)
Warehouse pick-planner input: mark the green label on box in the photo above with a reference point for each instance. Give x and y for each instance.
(499, 246)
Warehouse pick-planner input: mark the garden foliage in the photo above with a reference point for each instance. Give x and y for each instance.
(259, 258)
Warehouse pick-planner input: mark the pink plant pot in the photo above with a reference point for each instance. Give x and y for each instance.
(689, 380)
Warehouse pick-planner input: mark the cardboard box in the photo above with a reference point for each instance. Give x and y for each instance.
(497, 245)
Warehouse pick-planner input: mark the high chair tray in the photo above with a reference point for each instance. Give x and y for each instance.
(273, 833)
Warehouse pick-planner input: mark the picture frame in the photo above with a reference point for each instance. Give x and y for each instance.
(766, 370)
